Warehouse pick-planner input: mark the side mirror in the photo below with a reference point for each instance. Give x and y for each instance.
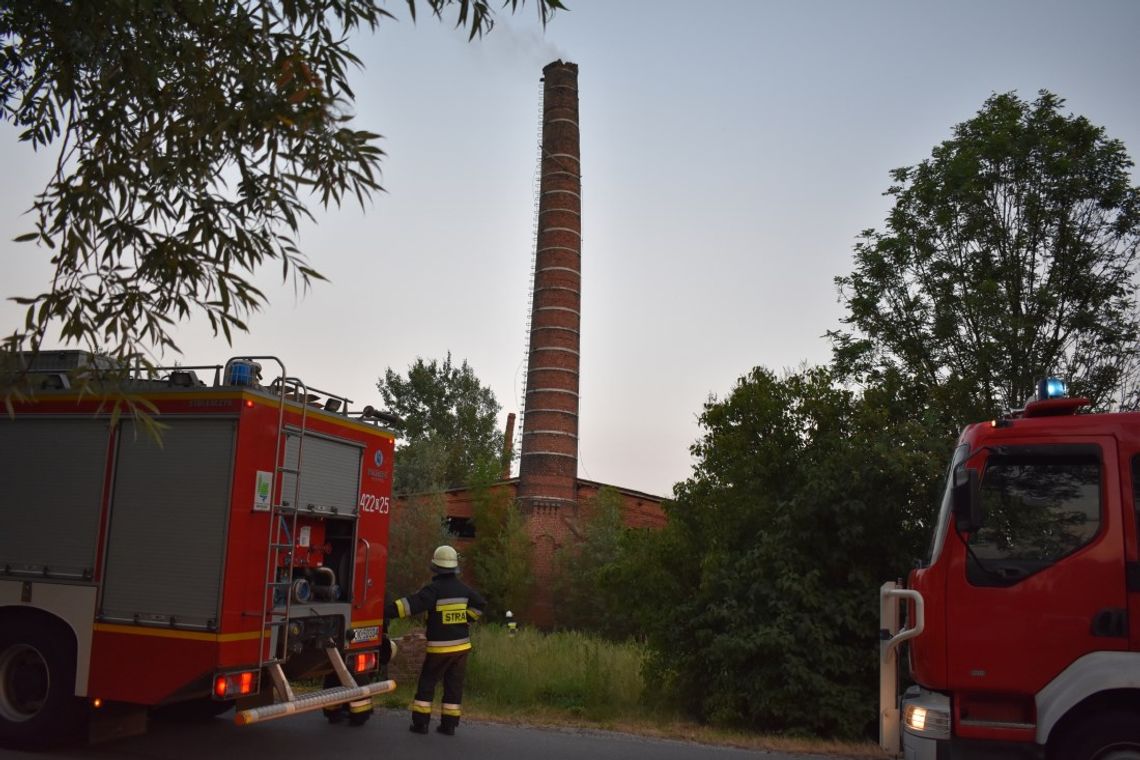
(967, 497)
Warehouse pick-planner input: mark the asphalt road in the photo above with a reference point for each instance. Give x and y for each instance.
(308, 737)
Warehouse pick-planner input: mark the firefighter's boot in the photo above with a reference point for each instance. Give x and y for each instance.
(421, 718)
(449, 720)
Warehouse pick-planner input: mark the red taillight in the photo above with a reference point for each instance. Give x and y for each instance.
(362, 662)
(230, 685)
(248, 404)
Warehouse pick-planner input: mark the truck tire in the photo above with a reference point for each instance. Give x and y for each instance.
(1110, 735)
(38, 706)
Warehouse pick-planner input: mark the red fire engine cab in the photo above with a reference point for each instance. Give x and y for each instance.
(1023, 622)
(214, 563)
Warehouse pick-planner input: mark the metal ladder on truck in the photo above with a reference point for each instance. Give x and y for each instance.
(277, 599)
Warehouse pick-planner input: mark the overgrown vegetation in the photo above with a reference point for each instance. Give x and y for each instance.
(500, 555)
(416, 529)
(576, 679)
(581, 674)
(805, 497)
(568, 672)
(595, 578)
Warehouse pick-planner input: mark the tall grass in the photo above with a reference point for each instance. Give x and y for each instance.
(567, 671)
(576, 678)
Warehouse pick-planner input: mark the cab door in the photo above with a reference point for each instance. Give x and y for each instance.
(1042, 581)
(1132, 553)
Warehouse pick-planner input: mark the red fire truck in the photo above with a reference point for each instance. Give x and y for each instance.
(240, 549)
(1023, 622)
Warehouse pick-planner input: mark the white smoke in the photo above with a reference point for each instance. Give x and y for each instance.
(519, 41)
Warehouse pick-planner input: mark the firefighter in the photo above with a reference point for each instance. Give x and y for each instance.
(450, 605)
(512, 626)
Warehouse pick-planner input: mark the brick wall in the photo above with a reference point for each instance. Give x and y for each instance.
(405, 666)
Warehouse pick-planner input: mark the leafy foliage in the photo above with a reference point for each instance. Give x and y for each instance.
(450, 430)
(191, 139)
(1009, 255)
(590, 576)
(417, 527)
(803, 499)
(500, 555)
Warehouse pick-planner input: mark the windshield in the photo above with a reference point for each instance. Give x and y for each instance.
(943, 524)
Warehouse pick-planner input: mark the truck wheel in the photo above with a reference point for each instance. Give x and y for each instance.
(38, 706)
(1111, 735)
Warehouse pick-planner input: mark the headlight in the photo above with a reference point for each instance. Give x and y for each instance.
(927, 721)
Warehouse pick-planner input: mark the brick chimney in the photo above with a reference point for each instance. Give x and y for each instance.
(508, 446)
(548, 466)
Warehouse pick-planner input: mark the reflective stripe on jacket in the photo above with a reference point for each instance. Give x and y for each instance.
(451, 605)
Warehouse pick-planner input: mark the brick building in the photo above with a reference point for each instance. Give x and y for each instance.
(553, 528)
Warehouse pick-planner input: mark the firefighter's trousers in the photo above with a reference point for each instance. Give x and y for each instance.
(451, 668)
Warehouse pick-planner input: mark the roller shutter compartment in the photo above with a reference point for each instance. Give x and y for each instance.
(168, 523)
(52, 473)
(330, 474)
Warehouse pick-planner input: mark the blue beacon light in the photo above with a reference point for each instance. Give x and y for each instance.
(1052, 387)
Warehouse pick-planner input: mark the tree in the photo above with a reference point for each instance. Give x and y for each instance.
(590, 595)
(1009, 255)
(191, 138)
(417, 527)
(804, 497)
(500, 555)
(450, 429)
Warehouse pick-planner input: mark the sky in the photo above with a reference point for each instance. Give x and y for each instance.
(732, 152)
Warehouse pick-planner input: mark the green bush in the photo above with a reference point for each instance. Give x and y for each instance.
(499, 557)
(591, 594)
(804, 498)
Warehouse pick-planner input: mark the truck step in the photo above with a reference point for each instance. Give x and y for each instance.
(337, 695)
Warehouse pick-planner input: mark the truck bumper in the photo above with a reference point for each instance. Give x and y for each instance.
(918, 748)
(925, 724)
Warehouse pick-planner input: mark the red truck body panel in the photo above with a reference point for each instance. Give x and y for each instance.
(993, 648)
(149, 661)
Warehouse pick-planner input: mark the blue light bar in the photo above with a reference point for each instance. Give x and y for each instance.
(1052, 387)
